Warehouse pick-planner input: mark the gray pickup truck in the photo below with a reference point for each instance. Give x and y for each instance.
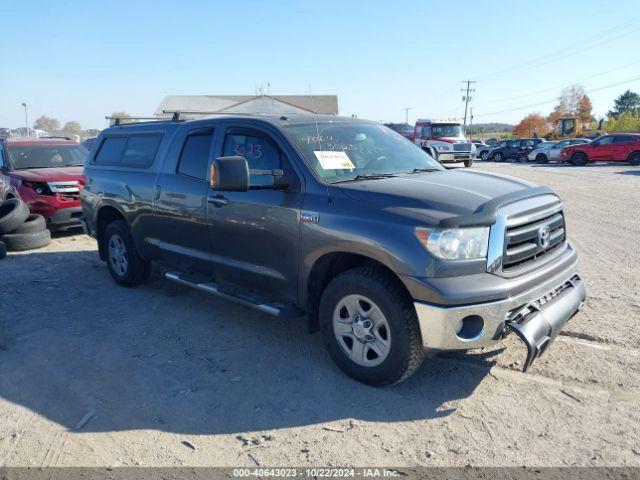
(342, 221)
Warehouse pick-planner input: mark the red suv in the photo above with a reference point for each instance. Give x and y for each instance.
(617, 147)
(47, 174)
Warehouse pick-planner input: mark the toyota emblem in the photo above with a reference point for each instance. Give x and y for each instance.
(543, 236)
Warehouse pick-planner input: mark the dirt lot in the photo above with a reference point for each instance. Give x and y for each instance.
(93, 374)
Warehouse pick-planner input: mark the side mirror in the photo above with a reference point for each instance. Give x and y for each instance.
(229, 174)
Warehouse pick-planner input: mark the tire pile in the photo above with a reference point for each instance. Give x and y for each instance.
(20, 230)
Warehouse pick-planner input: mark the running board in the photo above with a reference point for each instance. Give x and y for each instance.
(242, 297)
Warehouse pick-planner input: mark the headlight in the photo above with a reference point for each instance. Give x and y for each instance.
(455, 243)
(38, 187)
(442, 148)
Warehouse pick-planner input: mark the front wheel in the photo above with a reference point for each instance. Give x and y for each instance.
(483, 155)
(542, 158)
(370, 327)
(498, 157)
(125, 264)
(579, 159)
(468, 163)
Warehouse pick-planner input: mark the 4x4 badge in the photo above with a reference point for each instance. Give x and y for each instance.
(308, 217)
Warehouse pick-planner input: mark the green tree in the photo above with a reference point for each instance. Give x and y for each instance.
(48, 124)
(628, 122)
(627, 102)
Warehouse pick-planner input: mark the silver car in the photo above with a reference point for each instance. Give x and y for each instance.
(550, 151)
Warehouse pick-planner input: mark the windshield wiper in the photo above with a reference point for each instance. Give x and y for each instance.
(371, 176)
(420, 170)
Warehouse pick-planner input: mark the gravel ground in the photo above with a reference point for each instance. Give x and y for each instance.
(97, 375)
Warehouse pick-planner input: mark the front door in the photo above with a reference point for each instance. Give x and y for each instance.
(602, 148)
(255, 233)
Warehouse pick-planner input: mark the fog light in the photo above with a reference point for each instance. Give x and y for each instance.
(469, 328)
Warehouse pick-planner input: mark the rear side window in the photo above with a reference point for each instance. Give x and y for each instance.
(137, 151)
(194, 158)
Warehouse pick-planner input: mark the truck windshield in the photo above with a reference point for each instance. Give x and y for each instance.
(452, 130)
(46, 156)
(344, 151)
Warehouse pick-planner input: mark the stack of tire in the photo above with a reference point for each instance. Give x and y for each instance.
(20, 230)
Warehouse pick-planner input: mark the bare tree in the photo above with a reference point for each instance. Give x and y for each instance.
(48, 124)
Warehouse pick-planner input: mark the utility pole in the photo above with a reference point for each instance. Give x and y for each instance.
(406, 114)
(26, 117)
(466, 98)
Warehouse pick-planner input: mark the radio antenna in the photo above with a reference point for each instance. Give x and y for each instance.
(315, 119)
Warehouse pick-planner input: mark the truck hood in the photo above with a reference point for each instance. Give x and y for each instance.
(61, 174)
(432, 196)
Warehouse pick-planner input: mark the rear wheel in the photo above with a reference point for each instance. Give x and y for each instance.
(370, 327)
(125, 264)
(634, 159)
(579, 159)
(542, 158)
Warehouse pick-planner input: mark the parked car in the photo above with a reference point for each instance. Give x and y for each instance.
(622, 147)
(550, 151)
(479, 143)
(385, 251)
(88, 143)
(518, 148)
(47, 175)
(483, 152)
(403, 129)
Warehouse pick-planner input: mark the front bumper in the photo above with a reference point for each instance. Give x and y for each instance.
(553, 303)
(65, 218)
(452, 157)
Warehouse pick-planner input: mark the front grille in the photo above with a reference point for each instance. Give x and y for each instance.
(530, 241)
(64, 187)
(461, 147)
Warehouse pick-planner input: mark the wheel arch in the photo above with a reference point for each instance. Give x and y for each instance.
(631, 154)
(327, 267)
(105, 215)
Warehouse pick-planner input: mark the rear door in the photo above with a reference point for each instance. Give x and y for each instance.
(602, 148)
(554, 152)
(255, 233)
(622, 147)
(181, 228)
(512, 148)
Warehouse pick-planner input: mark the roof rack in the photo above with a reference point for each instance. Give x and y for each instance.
(202, 112)
(118, 120)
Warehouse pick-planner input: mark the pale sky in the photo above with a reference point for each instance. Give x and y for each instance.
(83, 60)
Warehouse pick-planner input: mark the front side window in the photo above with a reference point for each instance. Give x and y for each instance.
(46, 156)
(345, 151)
(453, 130)
(194, 158)
(605, 141)
(259, 151)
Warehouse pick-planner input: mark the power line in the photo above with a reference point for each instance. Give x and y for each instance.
(555, 99)
(528, 94)
(572, 49)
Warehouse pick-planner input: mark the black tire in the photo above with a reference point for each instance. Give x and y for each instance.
(579, 159)
(18, 242)
(406, 351)
(13, 213)
(542, 158)
(135, 270)
(3, 250)
(468, 163)
(498, 157)
(634, 159)
(33, 223)
(484, 155)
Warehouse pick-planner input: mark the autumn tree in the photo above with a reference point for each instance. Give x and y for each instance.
(627, 102)
(573, 102)
(48, 124)
(72, 127)
(532, 125)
